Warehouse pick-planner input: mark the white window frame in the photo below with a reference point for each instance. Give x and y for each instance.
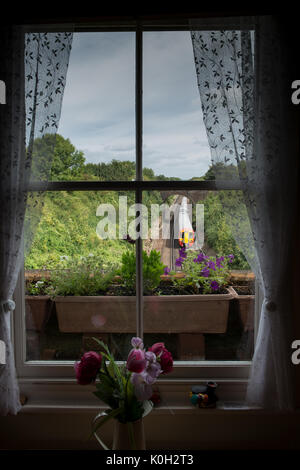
(37, 376)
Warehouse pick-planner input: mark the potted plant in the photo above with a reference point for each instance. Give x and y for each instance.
(38, 304)
(91, 301)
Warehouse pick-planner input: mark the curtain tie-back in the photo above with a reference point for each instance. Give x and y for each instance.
(8, 305)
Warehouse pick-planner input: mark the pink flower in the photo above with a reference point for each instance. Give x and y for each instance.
(157, 348)
(136, 361)
(87, 368)
(166, 361)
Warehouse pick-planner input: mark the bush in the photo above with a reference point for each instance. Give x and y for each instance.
(153, 268)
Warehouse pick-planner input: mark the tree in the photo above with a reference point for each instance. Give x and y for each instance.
(55, 158)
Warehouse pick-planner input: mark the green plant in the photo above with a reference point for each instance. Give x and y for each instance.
(37, 287)
(202, 274)
(80, 277)
(153, 268)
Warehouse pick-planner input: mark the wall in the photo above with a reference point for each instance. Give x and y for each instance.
(207, 430)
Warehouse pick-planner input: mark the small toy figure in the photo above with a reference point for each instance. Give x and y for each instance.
(204, 395)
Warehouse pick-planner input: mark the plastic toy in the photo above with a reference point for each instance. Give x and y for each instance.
(204, 395)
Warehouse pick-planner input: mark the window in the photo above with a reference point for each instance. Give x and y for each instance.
(130, 132)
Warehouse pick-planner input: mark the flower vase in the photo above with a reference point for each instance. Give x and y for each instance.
(129, 436)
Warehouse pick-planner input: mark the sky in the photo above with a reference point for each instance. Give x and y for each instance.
(98, 111)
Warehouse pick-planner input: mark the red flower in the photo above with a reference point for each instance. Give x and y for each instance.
(157, 348)
(87, 368)
(164, 357)
(166, 361)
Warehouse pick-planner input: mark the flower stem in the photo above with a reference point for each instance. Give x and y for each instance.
(131, 435)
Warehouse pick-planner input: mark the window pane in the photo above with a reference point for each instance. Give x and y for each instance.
(96, 134)
(73, 275)
(175, 142)
(192, 278)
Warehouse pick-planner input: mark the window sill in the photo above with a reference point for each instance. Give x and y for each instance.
(56, 395)
(183, 409)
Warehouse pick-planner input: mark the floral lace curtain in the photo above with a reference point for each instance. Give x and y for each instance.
(244, 91)
(33, 67)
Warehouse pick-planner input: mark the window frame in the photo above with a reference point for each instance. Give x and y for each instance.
(33, 373)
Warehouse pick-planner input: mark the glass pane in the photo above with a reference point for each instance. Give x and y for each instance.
(96, 134)
(73, 274)
(175, 142)
(198, 287)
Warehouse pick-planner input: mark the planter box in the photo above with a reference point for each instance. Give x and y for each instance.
(244, 304)
(38, 310)
(162, 314)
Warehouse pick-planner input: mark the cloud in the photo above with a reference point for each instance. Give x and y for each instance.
(98, 113)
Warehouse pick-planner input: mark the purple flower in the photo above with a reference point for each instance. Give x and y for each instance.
(219, 261)
(166, 271)
(153, 368)
(143, 381)
(205, 272)
(179, 262)
(182, 252)
(211, 265)
(142, 389)
(201, 257)
(137, 342)
(231, 258)
(214, 285)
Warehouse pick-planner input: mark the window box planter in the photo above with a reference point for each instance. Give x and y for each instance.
(38, 309)
(244, 305)
(190, 316)
(206, 313)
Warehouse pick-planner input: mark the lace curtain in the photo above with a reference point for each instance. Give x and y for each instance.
(244, 90)
(33, 67)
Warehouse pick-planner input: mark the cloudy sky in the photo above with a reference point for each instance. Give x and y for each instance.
(99, 102)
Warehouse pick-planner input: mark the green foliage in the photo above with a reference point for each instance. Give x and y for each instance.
(116, 390)
(55, 158)
(218, 234)
(67, 226)
(152, 270)
(37, 287)
(80, 278)
(114, 171)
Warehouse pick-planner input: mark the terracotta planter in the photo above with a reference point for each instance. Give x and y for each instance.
(244, 305)
(162, 314)
(38, 310)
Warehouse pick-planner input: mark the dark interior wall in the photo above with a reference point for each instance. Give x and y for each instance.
(208, 430)
(230, 430)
